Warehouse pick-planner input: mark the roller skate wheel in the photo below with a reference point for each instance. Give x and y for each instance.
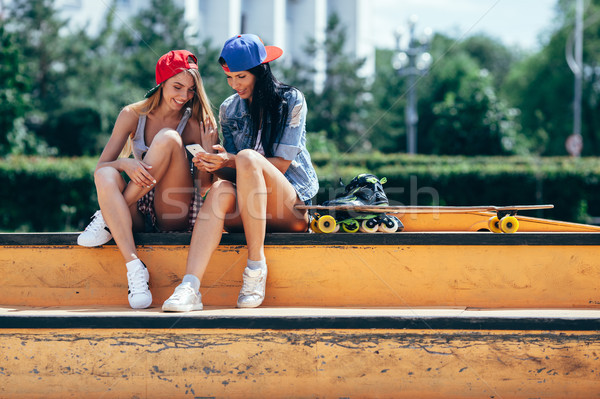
(509, 224)
(400, 224)
(389, 224)
(494, 225)
(369, 226)
(326, 224)
(351, 227)
(314, 226)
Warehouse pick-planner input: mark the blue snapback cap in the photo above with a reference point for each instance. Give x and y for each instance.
(243, 52)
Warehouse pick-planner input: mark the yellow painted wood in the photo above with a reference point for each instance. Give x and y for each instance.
(477, 221)
(298, 364)
(492, 276)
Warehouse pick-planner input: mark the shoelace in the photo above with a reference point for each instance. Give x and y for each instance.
(251, 284)
(97, 223)
(180, 291)
(137, 281)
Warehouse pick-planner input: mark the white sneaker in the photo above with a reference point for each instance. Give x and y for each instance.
(184, 299)
(139, 294)
(96, 233)
(252, 293)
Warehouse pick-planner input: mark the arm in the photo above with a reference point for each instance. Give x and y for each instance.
(223, 163)
(207, 137)
(293, 137)
(136, 170)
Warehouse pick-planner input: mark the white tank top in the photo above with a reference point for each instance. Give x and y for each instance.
(139, 144)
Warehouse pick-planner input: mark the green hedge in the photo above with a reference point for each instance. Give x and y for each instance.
(571, 184)
(58, 194)
(46, 194)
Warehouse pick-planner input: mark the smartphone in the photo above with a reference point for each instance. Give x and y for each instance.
(195, 148)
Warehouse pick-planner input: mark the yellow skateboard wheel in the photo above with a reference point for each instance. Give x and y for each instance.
(494, 225)
(351, 227)
(326, 224)
(314, 226)
(509, 224)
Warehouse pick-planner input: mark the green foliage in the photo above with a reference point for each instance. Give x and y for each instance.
(338, 107)
(46, 194)
(387, 131)
(541, 85)
(156, 30)
(36, 28)
(492, 55)
(459, 109)
(14, 84)
(65, 89)
(212, 74)
(73, 131)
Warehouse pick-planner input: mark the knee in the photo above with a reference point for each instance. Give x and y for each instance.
(166, 139)
(105, 176)
(247, 160)
(222, 195)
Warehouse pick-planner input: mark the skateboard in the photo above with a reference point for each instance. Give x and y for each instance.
(370, 219)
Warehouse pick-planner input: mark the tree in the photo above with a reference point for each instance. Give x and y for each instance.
(542, 85)
(386, 114)
(459, 110)
(491, 55)
(156, 30)
(212, 74)
(14, 86)
(36, 27)
(339, 108)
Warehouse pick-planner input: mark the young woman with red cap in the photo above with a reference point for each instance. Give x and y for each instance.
(160, 195)
(263, 126)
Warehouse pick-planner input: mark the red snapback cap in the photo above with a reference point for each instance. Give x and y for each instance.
(171, 64)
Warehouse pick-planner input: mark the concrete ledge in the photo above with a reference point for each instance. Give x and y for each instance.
(326, 363)
(403, 238)
(484, 270)
(302, 318)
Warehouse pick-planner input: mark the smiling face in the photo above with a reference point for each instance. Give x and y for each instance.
(178, 90)
(242, 82)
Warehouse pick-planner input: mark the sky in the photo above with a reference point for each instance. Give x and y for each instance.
(514, 22)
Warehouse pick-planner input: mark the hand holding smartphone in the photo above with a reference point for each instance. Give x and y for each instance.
(195, 148)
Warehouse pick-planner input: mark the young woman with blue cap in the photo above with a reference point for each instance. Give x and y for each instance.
(264, 133)
(160, 194)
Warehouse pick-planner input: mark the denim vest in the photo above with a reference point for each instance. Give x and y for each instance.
(234, 117)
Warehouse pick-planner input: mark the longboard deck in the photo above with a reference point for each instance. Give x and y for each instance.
(422, 209)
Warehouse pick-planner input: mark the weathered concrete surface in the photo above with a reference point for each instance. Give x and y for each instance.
(298, 364)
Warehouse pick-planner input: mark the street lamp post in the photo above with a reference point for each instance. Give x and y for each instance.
(574, 143)
(412, 60)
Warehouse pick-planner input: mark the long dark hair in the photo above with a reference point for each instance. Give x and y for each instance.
(268, 109)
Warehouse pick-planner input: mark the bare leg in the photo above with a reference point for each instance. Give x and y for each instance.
(220, 202)
(265, 199)
(118, 202)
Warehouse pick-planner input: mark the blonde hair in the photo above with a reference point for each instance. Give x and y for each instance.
(200, 105)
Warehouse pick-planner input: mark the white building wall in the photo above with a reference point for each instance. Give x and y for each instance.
(307, 19)
(219, 20)
(355, 16)
(284, 23)
(265, 18)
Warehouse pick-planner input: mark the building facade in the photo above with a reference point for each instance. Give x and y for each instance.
(288, 24)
